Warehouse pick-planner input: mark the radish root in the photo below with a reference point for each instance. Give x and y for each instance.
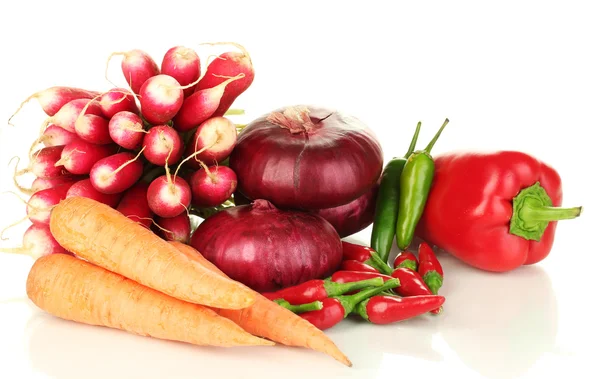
(67, 157)
(193, 156)
(213, 177)
(124, 165)
(18, 173)
(131, 126)
(11, 226)
(113, 54)
(33, 96)
(163, 229)
(239, 46)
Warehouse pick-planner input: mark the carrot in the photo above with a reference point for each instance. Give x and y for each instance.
(267, 319)
(75, 290)
(107, 238)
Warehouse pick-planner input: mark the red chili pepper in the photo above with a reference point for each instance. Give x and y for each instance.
(317, 289)
(357, 266)
(411, 284)
(383, 309)
(494, 211)
(406, 259)
(352, 251)
(336, 308)
(430, 268)
(348, 276)
(366, 255)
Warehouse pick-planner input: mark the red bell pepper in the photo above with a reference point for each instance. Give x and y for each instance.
(494, 211)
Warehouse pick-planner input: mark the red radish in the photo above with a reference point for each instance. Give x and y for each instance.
(216, 137)
(53, 98)
(37, 242)
(40, 204)
(57, 136)
(94, 129)
(201, 106)
(223, 67)
(176, 228)
(45, 183)
(137, 66)
(117, 100)
(54, 136)
(353, 217)
(79, 156)
(306, 157)
(44, 163)
(116, 173)
(126, 129)
(68, 114)
(267, 248)
(169, 196)
(183, 64)
(162, 144)
(161, 97)
(134, 205)
(211, 186)
(84, 188)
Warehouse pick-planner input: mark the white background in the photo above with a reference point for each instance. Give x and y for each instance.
(518, 75)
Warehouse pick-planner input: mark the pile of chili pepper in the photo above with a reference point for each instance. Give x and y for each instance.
(368, 287)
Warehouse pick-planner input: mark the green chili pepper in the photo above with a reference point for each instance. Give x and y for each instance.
(388, 200)
(415, 183)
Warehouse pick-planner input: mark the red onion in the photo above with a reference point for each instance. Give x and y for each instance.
(268, 249)
(353, 217)
(306, 157)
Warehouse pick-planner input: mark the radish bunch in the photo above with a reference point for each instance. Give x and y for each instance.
(155, 148)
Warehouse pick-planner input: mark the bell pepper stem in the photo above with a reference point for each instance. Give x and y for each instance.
(300, 308)
(378, 263)
(337, 289)
(350, 301)
(536, 213)
(533, 211)
(413, 142)
(435, 138)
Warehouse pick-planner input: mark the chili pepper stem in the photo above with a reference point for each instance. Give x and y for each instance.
(350, 301)
(379, 264)
(435, 138)
(533, 211)
(408, 264)
(434, 281)
(336, 289)
(413, 142)
(300, 308)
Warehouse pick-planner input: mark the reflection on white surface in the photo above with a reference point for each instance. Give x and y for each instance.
(499, 325)
(495, 326)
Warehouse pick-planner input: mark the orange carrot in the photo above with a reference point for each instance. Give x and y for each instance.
(107, 238)
(267, 319)
(72, 289)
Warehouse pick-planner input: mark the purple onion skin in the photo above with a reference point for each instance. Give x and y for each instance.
(328, 160)
(268, 249)
(353, 217)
